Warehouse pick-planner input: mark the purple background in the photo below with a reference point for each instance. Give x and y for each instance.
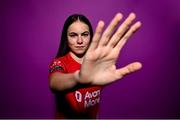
(30, 36)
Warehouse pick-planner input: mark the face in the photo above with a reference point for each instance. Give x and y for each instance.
(78, 38)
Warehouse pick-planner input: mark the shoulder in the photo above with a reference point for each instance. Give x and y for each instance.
(59, 61)
(65, 64)
(58, 64)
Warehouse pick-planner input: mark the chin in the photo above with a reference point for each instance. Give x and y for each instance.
(79, 53)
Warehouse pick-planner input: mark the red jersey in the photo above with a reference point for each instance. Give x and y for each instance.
(80, 102)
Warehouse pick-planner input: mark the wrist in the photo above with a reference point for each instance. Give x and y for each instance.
(80, 80)
(76, 76)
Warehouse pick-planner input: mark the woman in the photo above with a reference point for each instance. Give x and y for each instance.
(85, 63)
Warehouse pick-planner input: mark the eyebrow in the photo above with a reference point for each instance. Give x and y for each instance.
(85, 32)
(81, 33)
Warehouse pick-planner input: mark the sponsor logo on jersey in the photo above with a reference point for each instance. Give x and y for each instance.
(90, 98)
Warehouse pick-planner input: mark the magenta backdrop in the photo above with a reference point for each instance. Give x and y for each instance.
(30, 36)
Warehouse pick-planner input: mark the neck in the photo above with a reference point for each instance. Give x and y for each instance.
(77, 58)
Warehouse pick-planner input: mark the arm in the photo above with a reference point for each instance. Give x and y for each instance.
(63, 81)
(98, 67)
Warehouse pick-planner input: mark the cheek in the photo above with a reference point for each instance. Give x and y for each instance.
(71, 41)
(87, 41)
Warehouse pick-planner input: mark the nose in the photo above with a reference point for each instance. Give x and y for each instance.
(80, 40)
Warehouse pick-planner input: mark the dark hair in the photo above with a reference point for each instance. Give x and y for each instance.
(63, 47)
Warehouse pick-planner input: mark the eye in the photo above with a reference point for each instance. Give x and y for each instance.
(85, 34)
(72, 35)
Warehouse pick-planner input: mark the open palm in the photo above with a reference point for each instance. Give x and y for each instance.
(98, 67)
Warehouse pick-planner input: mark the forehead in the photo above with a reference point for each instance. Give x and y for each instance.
(78, 26)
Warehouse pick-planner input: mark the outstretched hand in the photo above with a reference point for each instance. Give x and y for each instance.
(98, 67)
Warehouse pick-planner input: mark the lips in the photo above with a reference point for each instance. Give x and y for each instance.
(79, 47)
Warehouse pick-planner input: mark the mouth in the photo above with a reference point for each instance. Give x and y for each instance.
(80, 47)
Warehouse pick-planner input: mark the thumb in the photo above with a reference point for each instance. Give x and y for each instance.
(130, 68)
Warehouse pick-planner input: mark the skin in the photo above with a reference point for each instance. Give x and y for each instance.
(98, 63)
(78, 39)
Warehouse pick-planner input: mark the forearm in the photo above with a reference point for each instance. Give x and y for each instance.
(63, 82)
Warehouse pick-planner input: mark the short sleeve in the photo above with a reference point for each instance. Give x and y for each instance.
(56, 66)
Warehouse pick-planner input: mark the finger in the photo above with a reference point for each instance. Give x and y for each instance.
(128, 69)
(110, 29)
(97, 35)
(122, 30)
(131, 31)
